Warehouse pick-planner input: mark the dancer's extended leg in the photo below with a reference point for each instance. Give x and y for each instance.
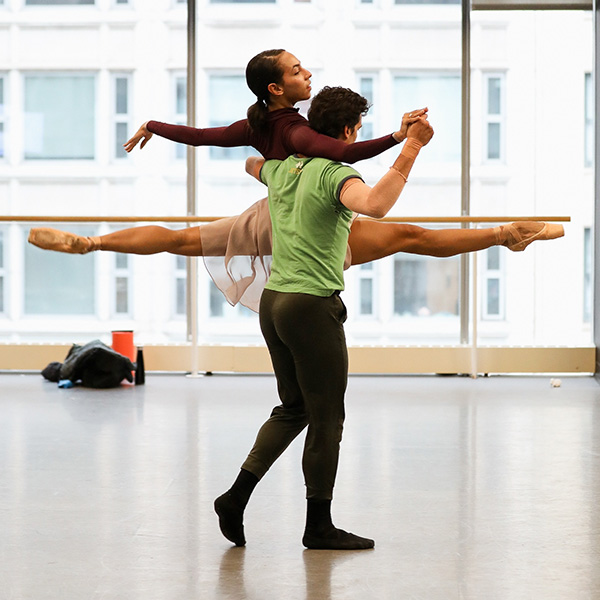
(150, 239)
(370, 240)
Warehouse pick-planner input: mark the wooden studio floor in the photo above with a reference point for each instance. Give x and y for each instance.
(483, 489)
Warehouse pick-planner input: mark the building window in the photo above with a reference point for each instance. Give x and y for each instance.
(122, 121)
(441, 94)
(587, 275)
(426, 1)
(57, 283)
(60, 117)
(492, 293)
(229, 99)
(366, 87)
(219, 307)
(494, 117)
(366, 289)
(180, 116)
(57, 2)
(2, 116)
(180, 285)
(589, 121)
(2, 274)
(425, 287)
(122, 279)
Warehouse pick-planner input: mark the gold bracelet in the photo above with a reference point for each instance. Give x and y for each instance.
(400, 173)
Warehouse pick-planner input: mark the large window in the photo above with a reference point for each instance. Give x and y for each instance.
(67, 113)
(59, 116)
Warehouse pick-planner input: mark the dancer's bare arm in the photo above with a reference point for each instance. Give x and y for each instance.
(254, 165)
(377, 201)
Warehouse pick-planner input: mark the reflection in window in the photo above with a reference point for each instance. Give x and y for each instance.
(59, 116)
(424, 287)
(121, 115)
(229, 99)
(589, 120)
(57, 283)
(441, 94)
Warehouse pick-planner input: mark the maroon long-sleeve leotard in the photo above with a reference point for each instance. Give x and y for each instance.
(288, 133)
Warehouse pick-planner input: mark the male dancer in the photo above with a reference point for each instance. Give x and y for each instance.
(311, 202)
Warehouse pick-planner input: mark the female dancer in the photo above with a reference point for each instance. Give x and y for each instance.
(276, 129)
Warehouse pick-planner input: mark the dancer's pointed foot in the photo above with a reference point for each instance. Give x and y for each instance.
(335, 539)
(520, 234)
(60, 241)
(231, 519)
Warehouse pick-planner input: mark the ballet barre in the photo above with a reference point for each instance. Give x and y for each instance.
(198, 219)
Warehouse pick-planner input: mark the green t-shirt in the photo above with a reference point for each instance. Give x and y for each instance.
(310, 224)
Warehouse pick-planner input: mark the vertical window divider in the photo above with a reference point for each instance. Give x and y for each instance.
(465, 166)
(192, 261)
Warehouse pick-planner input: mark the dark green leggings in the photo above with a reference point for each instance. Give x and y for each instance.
(305, 337)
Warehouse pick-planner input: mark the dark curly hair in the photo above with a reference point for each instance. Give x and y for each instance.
(334, 108)
(261, 71)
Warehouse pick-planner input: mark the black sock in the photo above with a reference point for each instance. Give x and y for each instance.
(230, 507)
(321, 533)
(242, 487)
(318, 515)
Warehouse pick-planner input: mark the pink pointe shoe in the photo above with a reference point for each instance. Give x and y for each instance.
(60, 241)
(520, 234)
